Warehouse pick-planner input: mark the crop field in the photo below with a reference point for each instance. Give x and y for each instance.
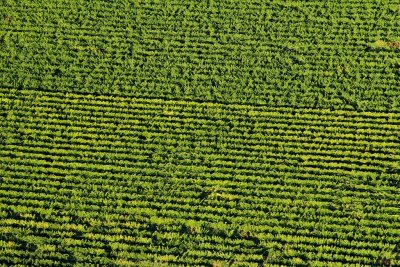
(199, 133)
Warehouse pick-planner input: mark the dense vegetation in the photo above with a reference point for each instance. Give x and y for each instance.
(329, 54)
(107, 180)
(199, 133)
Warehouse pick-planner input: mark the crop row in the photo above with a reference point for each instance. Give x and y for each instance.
(191, 109)
(118, 180)
(303, 54)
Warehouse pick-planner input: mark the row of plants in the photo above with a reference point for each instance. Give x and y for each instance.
(97, 180)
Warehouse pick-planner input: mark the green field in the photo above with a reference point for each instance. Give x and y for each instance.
(199, 133)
